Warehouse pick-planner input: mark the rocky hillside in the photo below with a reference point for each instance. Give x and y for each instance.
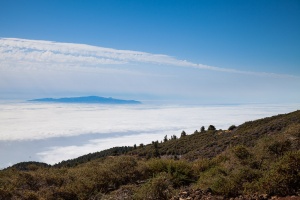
(256, 160)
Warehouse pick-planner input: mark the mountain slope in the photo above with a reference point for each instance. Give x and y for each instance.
(256, 160)
(208, 144)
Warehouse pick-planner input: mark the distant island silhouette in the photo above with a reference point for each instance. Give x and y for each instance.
(87, 99)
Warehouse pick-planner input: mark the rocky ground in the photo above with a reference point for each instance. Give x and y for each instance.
(198, 194)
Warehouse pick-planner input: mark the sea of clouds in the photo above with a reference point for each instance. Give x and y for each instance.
(54, 132)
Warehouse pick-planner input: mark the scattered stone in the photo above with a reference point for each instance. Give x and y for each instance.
(198, 194)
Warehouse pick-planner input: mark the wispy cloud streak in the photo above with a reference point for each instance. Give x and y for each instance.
(39, 54)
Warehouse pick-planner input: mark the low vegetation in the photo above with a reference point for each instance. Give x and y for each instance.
(257, 157)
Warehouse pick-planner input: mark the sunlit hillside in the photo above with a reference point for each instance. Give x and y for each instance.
(258, 159)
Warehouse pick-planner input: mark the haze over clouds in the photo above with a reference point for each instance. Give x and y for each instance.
(28, 67)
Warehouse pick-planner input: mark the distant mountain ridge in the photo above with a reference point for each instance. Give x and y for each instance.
(87, 99)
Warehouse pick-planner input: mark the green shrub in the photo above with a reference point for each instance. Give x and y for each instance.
(210, 176)
(29, 181)
(181, 172)
(225, 186)
(278, 148)
(29, 195)
(5, 194)
(294, 131)
(204, 164)
(241, 152)
(284, 176)
(159, 187)
(65, 195)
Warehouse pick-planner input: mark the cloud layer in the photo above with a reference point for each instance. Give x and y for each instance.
(35, 69)
(33, 121)
(54, 132)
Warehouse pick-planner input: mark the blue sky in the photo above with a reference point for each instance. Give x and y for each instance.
(251, 48)
(166, 51)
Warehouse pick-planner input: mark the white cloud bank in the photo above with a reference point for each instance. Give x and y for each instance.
(55, 132)
(39, 54)
(58, 153)
(163, 121)
(34, 121)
